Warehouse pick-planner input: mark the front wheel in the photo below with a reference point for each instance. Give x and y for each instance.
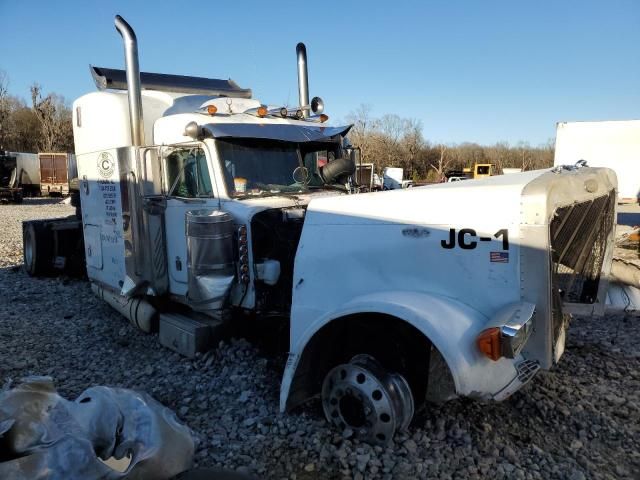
(363, 396)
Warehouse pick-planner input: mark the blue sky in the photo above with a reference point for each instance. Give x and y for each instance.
(482, 71)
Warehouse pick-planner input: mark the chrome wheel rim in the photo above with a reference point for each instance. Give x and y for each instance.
(364, 397)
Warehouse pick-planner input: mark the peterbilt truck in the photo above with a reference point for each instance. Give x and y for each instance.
(198, 204)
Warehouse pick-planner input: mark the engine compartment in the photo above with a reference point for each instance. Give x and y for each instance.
(275, 234)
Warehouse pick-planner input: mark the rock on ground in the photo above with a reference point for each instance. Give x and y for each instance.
(580, 420)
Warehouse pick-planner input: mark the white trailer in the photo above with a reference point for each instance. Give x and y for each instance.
(28, 171)
(393, 178)
(611, 144)
(44, 173)
(214, 205)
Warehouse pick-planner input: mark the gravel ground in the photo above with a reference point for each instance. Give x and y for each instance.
(580, 420)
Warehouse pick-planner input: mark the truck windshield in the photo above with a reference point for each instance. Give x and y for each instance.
(259, 167)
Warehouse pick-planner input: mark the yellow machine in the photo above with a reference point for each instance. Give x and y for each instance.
(482, 170)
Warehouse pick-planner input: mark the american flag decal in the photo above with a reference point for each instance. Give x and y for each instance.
(499, 257)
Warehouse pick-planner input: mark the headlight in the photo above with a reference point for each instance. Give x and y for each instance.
(507, 332)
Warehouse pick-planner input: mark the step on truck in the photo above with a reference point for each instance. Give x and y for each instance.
(199, 205)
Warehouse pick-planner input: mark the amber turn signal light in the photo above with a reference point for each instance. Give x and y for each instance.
(323, 118)
(262, 111)
(489, 343)
(212, 109)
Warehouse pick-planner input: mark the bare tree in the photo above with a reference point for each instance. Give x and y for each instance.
(45, 112)
(25, 128)
(361, 132)
(4, 110)
(55, 120)
(526, 159)
(395, 141)
(443, 161)
(497, 155)
(413, 143)
(391, 128)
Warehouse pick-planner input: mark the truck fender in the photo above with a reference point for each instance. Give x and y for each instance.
(450, 325)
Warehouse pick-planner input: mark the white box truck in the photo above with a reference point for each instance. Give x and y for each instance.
(28, 172)
(612, 144)
(393, 178)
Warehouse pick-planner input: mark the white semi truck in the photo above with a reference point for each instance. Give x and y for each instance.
(199, 205)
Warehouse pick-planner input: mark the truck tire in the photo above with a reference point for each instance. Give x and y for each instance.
(368, 399)
(36, 249)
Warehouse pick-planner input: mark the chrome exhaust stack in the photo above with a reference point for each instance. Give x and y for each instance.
(133, 80)
(303, 79)
(317, 105)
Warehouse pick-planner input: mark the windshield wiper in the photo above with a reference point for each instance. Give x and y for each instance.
(328, 187)
(263, 193)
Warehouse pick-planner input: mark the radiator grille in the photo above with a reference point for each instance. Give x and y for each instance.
(579, 235)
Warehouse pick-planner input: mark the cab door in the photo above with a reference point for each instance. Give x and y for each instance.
(151, 220)
(188, 185)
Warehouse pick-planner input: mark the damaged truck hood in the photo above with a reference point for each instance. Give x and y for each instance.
(472, 202)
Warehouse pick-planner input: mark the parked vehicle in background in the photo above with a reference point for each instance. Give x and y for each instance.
(364, 177)
(9, 189)
(456, 179)
(482, 170)
(393, 178)
(28, 172)
(479, 170)
(613, 144)
(54, 173)
(459, 174)
(377, 182)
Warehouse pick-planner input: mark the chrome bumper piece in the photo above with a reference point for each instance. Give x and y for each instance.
(526, 370)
